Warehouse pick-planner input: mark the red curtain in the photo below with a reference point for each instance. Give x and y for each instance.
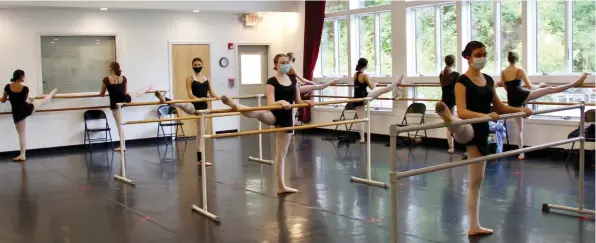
(314, 18)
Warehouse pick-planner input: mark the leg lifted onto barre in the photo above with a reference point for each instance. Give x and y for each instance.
(206, 213)
(262, 161)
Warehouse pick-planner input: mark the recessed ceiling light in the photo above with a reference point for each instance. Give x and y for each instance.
(56, 39)
(195, 11)
(52, 42)
(103, 9)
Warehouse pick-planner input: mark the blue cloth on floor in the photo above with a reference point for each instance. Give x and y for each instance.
(500, 131)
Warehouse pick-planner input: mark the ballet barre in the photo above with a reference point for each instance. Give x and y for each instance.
(395, 176)
(203, 113)
(182, 101)
(66, 96)
(436, 100)
(344, 97)
(385, 84)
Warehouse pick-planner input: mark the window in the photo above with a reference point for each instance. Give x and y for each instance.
(374, 42)
(343, 91)
(483, 30)
(334, 6)
(550, 39)
(511, 30)
(250, 69)
(435, 37)
(373, 3)
(333, 53)
(428, 93)
(584, 43)
(76, 64)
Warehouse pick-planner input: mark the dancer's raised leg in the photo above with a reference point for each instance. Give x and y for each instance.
(282, 143)
(537, 93)
(139, 92)
(310, 88)
(462, 133)
(378, 91)
(39, 103)
(188, 108)
(475, 178)
(263, 116)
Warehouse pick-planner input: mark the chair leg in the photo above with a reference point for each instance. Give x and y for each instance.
(85, 139)
(111, 141)
(569, 154)
(164, 135)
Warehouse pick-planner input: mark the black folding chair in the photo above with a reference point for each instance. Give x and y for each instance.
(414, 108)
(96, 115)
(589, 117)
(166, 111)
(343, 136)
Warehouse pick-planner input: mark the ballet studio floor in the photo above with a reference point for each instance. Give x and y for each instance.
(70, 197)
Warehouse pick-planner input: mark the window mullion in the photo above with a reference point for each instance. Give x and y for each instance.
(336, 46)
(377, 44)
(438, 27)
(568, 36)
(497, 36)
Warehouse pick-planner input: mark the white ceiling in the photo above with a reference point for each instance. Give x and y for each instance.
(208, 6)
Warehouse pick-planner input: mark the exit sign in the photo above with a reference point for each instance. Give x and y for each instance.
(251, 20)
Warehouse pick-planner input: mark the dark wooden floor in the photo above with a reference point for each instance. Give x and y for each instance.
(69, 196)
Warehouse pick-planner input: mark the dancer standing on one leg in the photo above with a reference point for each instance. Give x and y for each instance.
(474, 93)
(197, 87)
(447, 79)
(361, 82)
(116, 85)
(280, 90)
(305, 86)
(18, 95)
(512, 78)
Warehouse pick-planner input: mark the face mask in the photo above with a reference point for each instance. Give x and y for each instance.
(284, 68)
(478, 62)
(197, 69)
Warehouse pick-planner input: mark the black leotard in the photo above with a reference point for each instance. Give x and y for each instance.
(359, 90)
(200, 90)
(117, 92)
(283, 118)
(479, 99)
(18, 102)
(515, 94)
(448, 89)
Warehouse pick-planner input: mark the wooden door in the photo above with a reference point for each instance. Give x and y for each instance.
(182, 55)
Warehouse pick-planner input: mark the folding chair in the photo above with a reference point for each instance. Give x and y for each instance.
(343, 136)
(166, 111)
(589, 117)
(96, 115)
(414, 108)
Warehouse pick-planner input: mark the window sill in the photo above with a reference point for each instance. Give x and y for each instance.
(383, 112)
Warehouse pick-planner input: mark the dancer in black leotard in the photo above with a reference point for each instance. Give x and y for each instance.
(361, 82)
(517, 96)
(197, 87)
(447, 79)
(18, 95)
(474, 94)
(116, 85)
(280, 90)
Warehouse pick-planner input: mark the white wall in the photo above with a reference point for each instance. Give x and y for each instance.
(142, 50)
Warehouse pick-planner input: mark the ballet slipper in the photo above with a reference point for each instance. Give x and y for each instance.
(286, 190)
(581, 80)
(229, 102)
(20, 158)
(521, 156)
(450, 150)
(480, 231)
(160, 97)
(443, 111)
(206, 164)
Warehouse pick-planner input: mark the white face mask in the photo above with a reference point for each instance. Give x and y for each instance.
(478, 62)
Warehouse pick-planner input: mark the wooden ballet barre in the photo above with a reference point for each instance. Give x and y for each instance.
(65, 109)
(183, 101)
(347, 97)
(399, 85)
(279, 107)
(181, 118)
(59, 96)
(283, 129)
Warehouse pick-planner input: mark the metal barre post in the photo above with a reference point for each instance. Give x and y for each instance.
(260, 159)
(368, 179)
(122, 176)
(194, 207)
(393, 180)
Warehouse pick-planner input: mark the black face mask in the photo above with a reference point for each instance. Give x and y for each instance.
(197, 69)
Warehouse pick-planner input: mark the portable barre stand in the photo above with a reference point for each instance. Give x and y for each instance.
(395, 175)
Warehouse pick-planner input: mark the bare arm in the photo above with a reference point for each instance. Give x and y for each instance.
(302, 79)
(526, 80)
(102, 92)
(189, 88)
(270, 93)
(502, 108)
(502, 82)
(211, 92)
(460, 101)
(367, 81)
(4, 97)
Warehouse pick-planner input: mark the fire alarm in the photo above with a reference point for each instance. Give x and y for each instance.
(230, 46)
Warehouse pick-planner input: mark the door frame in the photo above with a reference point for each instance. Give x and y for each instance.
(237, 57)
